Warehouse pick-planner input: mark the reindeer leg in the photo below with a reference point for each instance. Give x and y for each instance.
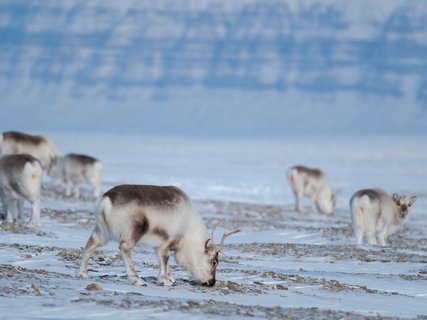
(296, 201)
(358, 232)
(4, 205)
(11, 212)
(165, 277)
(95, 183)
(35, 214)
(91, 245)
(381, 230)
(68, 187)
(313, 202)
(126, 251)
(300, 204)
(20, 210)
(370, 233)
(76, 189)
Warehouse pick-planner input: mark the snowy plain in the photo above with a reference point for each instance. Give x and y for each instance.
(282, 265)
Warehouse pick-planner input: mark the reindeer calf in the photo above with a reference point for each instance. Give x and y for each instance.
(75, 168)
(312, 183)
(13, 142)
(162, 218)
(376, 214)
(20, 179)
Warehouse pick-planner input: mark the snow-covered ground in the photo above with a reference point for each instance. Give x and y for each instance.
(282, 265)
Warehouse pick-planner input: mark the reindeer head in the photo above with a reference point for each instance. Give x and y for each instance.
(403, 204)
(208, 261)
(55, 170)
(326, 201)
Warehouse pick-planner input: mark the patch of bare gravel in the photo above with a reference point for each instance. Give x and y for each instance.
(18, 281)
(221, 309)
(84, 218)
(334, 252)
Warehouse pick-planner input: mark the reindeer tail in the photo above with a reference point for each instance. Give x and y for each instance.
(102, 209)
(30, 184)
(291, 176)
(98, 165)
(359, 207)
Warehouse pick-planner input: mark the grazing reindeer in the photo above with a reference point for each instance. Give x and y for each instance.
(162, 218)
(75, 168)
(20, 179)
(13, 142)
(376, 214)
(311, 182)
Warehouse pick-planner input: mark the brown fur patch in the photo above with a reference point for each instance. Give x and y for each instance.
(161, 233)
(140, 228)
(17, 160)
(102, 220)
(81, 158)
(309, 171)
(165, 259)
(174, 245)
(23, 137)
(372, 194)
(90, 243)
(146, 195)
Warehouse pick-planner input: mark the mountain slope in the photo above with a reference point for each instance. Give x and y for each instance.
(215, 67)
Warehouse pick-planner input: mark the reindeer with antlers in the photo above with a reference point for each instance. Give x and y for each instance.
(162, 218)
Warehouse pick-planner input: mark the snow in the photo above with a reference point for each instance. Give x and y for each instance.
(241, 183)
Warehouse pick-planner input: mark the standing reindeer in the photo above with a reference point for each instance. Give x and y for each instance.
(41, 148)
(162, 218)
(376, 214)
(312, 183)
(20, 179)
(75, 168)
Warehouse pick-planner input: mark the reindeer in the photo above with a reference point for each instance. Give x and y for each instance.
(311, 182)
(13, 142)
(20, 179)
(162, 218)
(376, 214)
(75, 168)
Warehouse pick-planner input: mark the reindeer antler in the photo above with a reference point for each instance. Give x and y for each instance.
(225, 235)
(213, 232)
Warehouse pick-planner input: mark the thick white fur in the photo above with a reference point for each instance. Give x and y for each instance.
(180, 222)
(314, 186)
(71, 172)
(377, 215)
(18, 183)
(45, 152)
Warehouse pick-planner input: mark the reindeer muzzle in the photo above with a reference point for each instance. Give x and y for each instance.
(210, 283)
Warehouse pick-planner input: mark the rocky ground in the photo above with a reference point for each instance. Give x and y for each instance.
(283, 265)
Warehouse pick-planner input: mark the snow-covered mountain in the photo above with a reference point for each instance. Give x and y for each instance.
(220, 68)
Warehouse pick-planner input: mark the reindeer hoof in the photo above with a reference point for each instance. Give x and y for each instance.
(138, 282)
(82, 275)
(33, 224)
(166, 281)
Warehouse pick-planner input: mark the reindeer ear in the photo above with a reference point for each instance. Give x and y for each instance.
(412, 200)
(209, 245)
(396, 198)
